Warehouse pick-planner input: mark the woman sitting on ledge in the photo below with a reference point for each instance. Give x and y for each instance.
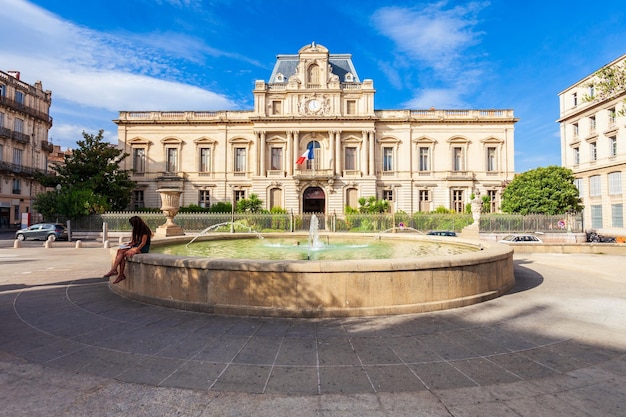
(140, 242)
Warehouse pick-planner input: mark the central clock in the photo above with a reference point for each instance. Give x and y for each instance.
(314, 105)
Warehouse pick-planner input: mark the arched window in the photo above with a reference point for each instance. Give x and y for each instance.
(315, 162)
(313, 76)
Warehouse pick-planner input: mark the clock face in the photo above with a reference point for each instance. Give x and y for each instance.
(314, 105)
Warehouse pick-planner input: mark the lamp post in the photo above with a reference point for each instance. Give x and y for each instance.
(58, 188)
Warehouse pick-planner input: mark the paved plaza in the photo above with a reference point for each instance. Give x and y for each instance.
(553, 346)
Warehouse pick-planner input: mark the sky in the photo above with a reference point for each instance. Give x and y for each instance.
(101, 57)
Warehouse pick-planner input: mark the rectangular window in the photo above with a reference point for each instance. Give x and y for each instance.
(424, 159)
(595, 189)
(17, 156)
(596, 216)
(138, 201)
(592, 125)
(204, 198)
(277, 107)
(276, 163)
(240, 159)
(424, 197)
(239, 195)
(19, 97)
(612, 115)
(139, 160)
(576, 155)
(352, 197)
(17, 186)
(613, 146)
(172, 160)
(387, 159)
(615, 183)
(575, 130)
(491, 159)
(592, 91)
(350, 158)
(593, 151)
(3, 90)
(1, 120)
(18, 125)
(388, 195)
(578, 182)
(574, 99)
(276, 198)
(617, 215)
(458, 203)
(205, 160)
(493, 194)
(1, 152)
(458, 159)
(351, 107)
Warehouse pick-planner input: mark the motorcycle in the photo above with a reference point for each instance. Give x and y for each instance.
(594, 237)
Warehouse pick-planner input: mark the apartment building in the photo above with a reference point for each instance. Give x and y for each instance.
(24, 147)
(315, 143)
(593, 146)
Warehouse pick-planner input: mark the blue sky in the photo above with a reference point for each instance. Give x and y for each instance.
(99, 57)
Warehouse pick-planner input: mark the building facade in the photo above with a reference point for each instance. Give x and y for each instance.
(593, 146)
(24, 147)
(416, 159)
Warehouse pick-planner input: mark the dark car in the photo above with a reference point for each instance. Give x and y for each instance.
(41, 231)
(441, 233)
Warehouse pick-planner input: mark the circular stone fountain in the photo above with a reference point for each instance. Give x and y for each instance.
(321, 288)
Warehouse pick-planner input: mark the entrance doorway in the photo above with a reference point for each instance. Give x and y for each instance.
(314, 200)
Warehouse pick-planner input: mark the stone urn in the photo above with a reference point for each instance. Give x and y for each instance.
(170, 204)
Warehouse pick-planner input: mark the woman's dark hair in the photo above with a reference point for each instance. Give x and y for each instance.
(140, 228)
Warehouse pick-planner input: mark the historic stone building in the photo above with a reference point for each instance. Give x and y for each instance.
(24, 124)
(417, 159)
(593, 146)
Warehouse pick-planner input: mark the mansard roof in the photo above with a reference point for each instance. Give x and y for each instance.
(286, 65)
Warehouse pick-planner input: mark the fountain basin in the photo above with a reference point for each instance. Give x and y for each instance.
(320, 288)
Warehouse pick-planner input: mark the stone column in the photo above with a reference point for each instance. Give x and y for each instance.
(372, 145)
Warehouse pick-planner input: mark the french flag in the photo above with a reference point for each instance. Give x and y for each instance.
(308, 154)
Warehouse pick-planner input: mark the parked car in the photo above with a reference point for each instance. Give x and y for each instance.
(41, 231)
(441, 233)
(521, 238)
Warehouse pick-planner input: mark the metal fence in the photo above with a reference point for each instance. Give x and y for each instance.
(516, 223)
(364, 223)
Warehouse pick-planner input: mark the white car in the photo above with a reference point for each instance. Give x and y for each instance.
(521, 239)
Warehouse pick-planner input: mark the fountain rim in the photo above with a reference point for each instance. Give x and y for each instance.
(486, 251)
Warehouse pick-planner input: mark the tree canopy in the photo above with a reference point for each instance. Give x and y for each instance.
(607, 83)
(88, 181)
(548, 190)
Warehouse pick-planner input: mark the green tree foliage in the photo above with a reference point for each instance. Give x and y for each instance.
(90, 181)
(372, 205)
(249, 205)
(607, 83)
(548, 190)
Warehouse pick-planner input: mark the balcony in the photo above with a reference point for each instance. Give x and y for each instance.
(16, 136)
(313, 174)
(47, 146)
(29, 172)
(459, 175)
(22, 108)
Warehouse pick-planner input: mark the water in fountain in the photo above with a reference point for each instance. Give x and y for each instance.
(217, 226)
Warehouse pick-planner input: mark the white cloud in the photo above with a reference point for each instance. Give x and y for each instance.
(95, 69)
(434, 35)
(437, 98)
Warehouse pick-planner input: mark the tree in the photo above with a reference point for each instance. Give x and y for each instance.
(548, 190)
(90, 181)
(607, 83)
(372, 205)
(249, 205)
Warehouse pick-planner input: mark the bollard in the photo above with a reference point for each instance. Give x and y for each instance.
(106, 244)
(17, 244)
(79, 244)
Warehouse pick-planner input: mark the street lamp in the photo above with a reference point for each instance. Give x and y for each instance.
(58, 188)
